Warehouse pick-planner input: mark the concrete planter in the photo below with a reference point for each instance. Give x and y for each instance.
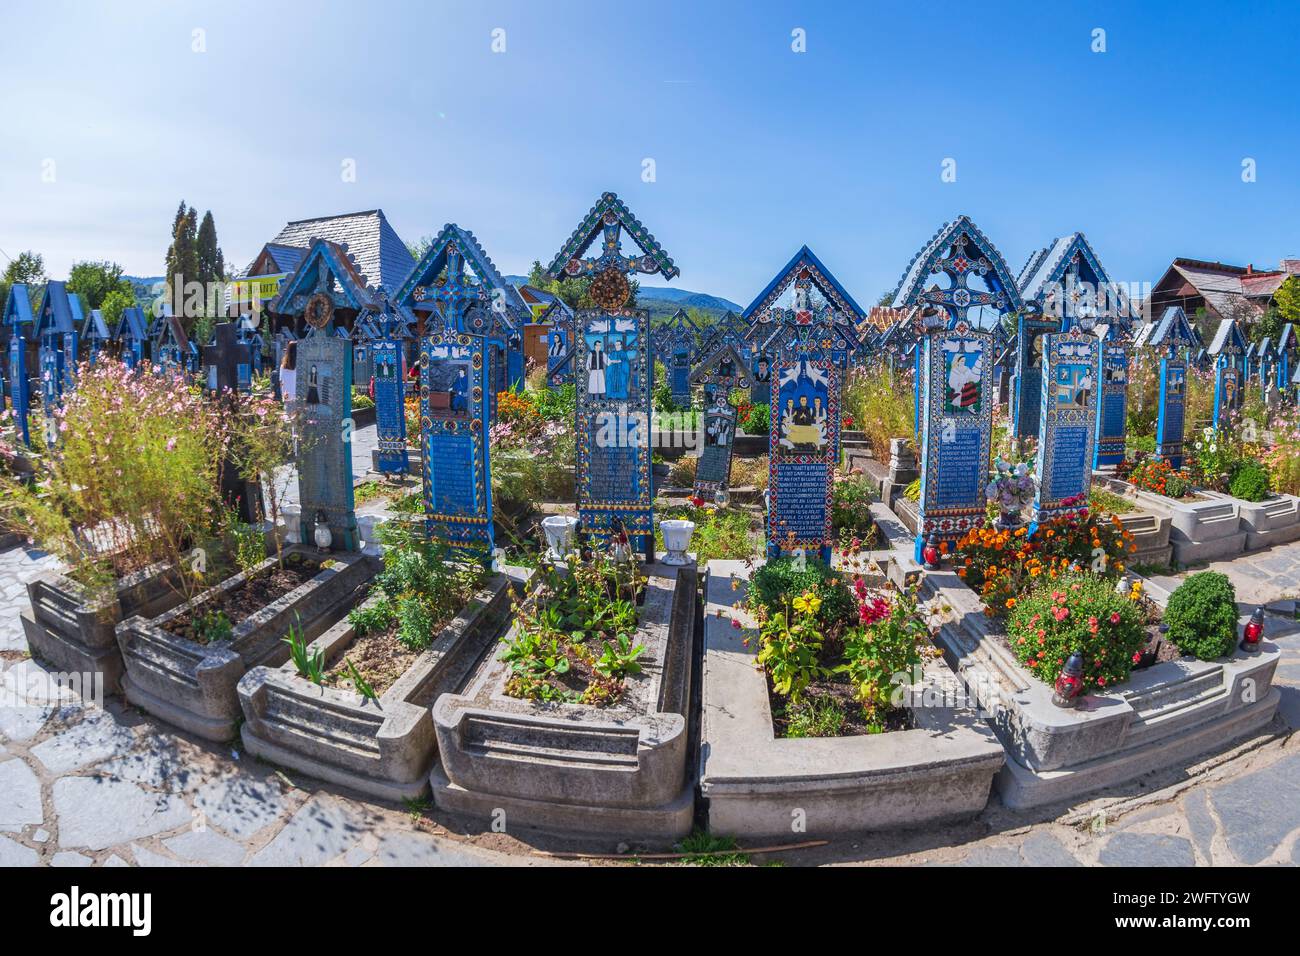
(74, 631)
(1205, 528)
(618, 772)
(1275, 520)
(755, 784)
(193, 685)
(1163, 716)
(383, 747)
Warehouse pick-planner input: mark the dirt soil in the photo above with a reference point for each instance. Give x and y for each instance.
(250, 597)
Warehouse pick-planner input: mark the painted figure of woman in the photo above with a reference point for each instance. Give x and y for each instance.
(619, 371)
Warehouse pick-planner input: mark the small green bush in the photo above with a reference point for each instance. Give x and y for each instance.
(782, 578)
(758, 421)
(1249, 481)
(1077, 612)
(1202, 615)
(851, 499)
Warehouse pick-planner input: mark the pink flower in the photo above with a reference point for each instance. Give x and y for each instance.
(1060, 613)
(1114, 617)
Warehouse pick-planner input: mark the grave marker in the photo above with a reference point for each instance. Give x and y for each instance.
(1112, 415)
(1228, 349)
(718, 374)
(1173, 338)
(225, 372)
(956, 373)
(614, 367)
(1067, 422)
(802, 449)
(18, 317)
(388, 354)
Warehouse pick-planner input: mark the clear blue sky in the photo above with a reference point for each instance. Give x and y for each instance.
(757, 149)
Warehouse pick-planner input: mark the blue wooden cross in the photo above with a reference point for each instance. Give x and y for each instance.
(457, 295)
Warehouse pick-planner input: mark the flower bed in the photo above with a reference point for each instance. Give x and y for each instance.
(1145, 704)
(935, 763)
(353, 706)
(615, 765)
(184, 664)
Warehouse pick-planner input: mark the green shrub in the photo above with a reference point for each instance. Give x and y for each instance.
(1202, 615)
(851, 499)
(758, 421)
(1249, 481)
(782, 579)
(1077, 612)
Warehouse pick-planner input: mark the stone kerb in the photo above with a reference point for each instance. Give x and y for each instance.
(759, 786)
(1163, 716)
(194, 685)
(383, 747)
(617, 771)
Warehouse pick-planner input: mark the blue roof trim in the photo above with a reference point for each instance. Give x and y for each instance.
(822, 277)
(910, 286)
(18, 311)
(55, 313)
(305, 279)
(434, 260)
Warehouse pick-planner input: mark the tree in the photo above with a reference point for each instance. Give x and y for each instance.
(29, 267)
(211, 263)
(1287, 299)
(114, 304)
(94, 281)
(418, 248)
(182, 264)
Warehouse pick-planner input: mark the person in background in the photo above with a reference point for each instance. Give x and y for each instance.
(289, 373)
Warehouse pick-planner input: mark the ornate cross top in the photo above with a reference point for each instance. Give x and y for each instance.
(610, 219)
(457, 294)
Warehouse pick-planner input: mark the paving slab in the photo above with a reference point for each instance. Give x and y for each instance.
(241, 806)
(323, 829)
(1147, 849)
(98, 813)
(95, 738)
(206, 846)
(13, 853)
(1043, 849)
(1260, 809)
(20, 796)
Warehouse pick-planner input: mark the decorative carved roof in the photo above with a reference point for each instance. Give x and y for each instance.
(609, 211)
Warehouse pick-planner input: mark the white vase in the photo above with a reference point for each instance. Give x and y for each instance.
(559, 536)
(322, 535)
(677, 540)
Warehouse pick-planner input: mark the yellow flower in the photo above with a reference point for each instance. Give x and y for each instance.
(808, 603)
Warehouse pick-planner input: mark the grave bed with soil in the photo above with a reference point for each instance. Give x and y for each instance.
(382, 746)
(72, 628)
(615, 769)
(932, 763)
(183, 665)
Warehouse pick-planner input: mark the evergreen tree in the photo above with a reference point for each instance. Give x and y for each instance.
(211, 263)
(182, 256)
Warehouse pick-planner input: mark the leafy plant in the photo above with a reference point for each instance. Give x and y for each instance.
(770, 586)
(818, 717)
(1250, 481)
(880, 401)
(1078, 612)
(1202, 615)
(790, 646)
(359, 683)
(247, 542)
(888, 644)
(213, 626)
(851, 498)
(310, 665)
(620, 658)
(758, 421)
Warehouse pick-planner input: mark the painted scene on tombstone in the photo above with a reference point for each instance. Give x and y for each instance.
(802, 449)
(718, 376)
(964, 375)
(1067, 424)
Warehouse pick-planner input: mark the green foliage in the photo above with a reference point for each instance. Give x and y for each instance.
(816, 717)
(913, 491)
(1249, 481)
(247, 543)
(95, 281)
(620, 658)
(27, 268)
(851, 498)
(875, 651)
(1287, 300)
(212, 626)
(1077, 612)
(556, 404)
(790, 644)
(419, 588)
(770, 585)
(359, 683)
(307, 663)
(704, 849)
(1101, 501)
(880, 400)
(720, 533)
(758, 421)
(1202, 615)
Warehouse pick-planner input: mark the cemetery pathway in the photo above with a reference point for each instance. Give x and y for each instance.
(86, 786)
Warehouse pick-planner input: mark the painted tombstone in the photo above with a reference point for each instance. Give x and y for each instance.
(95, 334)
(388, 357)
(131, 337)
(675, 345)
(1173, 338)
(18, 316)
(459, 294)
(718, 375)
(956, 372)
(1228, 348)
(1112, 413)
(614, 368)
(1067, 422)
(804, 436)
(325, 451)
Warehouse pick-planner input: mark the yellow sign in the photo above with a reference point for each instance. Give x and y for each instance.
(259, 289)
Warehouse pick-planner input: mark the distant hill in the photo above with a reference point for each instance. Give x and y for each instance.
(662, 303)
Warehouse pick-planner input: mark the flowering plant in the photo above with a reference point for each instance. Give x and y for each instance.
(1078, 612)
(1156, 475)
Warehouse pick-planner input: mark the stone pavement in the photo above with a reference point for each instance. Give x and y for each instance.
(81, 786)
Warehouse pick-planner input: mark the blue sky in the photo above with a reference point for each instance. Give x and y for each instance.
(757, 149)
